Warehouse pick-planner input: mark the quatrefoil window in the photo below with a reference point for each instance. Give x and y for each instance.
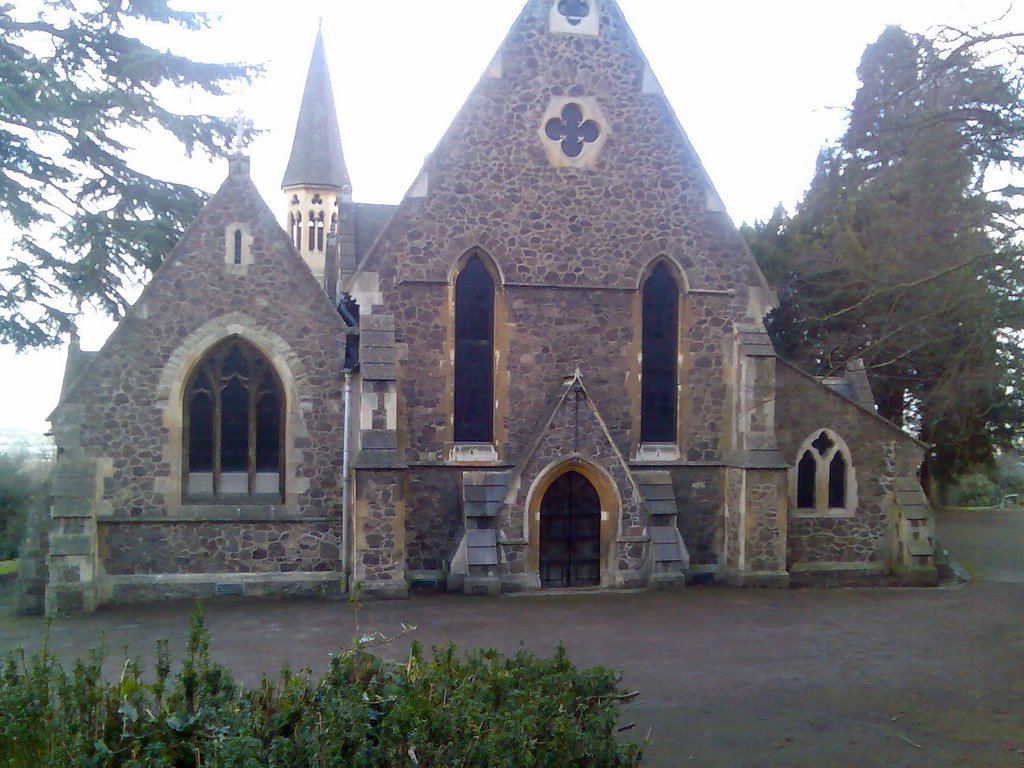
(572, 131)
(574, 11)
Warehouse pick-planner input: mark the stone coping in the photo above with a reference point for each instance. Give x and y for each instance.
(634, 464)
(222, 514)
(225, 578)
(833, 567)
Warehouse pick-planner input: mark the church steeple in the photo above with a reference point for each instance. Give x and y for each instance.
(316, 182)
(317, 159)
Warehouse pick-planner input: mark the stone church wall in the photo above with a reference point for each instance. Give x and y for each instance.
(125, 409)
(569, 248)
(699, 496)
(880, 454)
(433, 520)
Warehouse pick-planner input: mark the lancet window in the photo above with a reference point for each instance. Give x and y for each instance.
(659, 390)
(474, 354)
(824, 475)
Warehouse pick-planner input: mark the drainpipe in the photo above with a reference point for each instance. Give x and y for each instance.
(346, 514)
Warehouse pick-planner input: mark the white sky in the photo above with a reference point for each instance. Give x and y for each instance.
(759, 87)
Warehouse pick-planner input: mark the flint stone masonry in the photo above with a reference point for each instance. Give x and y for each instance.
(433, 519)
(124, 409)
(379, 568)
(569, 243)
(881, 453)
(570, 247)
(211, 548)
(574, 434)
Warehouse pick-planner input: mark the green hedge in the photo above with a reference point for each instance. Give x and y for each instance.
(479, 709)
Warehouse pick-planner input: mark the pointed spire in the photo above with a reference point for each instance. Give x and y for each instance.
(317, 159)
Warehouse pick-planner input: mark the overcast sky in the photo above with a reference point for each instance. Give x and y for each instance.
(759, 87)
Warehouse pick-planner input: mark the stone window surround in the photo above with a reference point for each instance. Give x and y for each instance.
(170, 398)
(654, 453)
(611, 511)
(254, 387)
(591, 111)
(821, 478)
(242, 267)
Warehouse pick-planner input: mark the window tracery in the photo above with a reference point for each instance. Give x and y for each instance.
(574, 11)
(234, 419)
(824, 481)
(572, 131)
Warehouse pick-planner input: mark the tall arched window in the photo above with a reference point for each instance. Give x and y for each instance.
(238, 247)
(320, 231)
(659, 398)
(295, 228)
(824, 476)
(474, 354)
(234, 422)
(312, 230)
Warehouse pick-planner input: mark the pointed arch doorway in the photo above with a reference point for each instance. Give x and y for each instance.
(570, 533)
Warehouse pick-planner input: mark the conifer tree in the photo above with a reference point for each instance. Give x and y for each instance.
(76, 85)
(905, 253)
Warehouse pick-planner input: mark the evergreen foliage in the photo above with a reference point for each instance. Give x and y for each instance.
(905, 251)
(75, 87)
(16, 492)
(480, 709)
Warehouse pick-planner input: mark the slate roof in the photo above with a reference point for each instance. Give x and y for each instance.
(317, 159)
(370, 220)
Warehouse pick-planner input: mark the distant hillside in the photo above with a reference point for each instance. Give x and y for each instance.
(24, 441)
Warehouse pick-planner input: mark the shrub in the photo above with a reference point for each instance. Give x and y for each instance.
(479, 709)
(977, 490)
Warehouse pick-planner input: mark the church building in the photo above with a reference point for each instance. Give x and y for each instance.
(546, 368)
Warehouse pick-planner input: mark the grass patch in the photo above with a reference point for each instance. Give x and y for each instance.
(8, 567)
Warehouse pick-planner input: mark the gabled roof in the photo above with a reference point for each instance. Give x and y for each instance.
(836, 392)
(598, 209)
(317, 159)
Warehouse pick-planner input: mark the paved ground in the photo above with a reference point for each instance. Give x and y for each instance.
(839, 678)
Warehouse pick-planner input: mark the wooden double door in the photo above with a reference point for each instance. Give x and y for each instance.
(570, 533)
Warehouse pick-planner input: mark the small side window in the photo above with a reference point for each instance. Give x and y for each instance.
(823, 482)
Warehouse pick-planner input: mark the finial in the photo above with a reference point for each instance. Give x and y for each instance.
(320, 24)
(243, 127)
